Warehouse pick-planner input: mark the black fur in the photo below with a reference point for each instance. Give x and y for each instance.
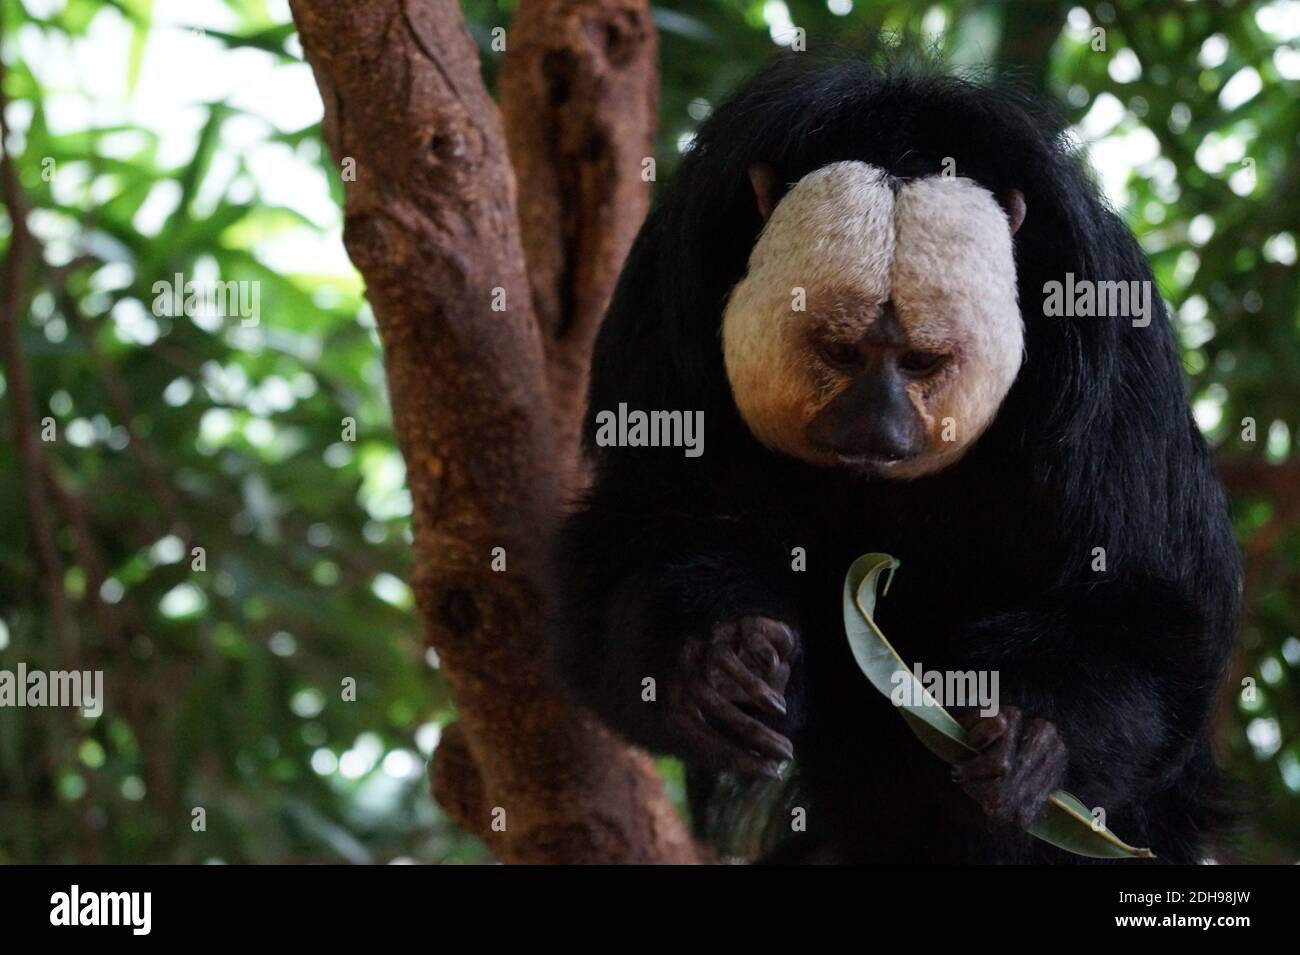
(1094, 447)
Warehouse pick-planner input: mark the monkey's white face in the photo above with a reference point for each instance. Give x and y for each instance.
(877, 325)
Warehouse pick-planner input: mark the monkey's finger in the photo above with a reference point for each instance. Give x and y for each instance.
(983, 731)
(980, 768)
(753, 735)
(780, 635)
(731, 691)
(994, 762)
(719, 753)
(738, 637)
(760, 654)
(714, 751)
(750, 732)
(985, 793)
(780, 679)
(725, 629)
(768, 643)
(754, 687)
(1012, 720)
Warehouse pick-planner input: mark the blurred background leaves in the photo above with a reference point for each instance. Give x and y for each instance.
(156, 137)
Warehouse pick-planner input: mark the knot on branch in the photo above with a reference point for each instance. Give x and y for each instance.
(620, 35)
(375, 244)
(459, 612)
(456, 783)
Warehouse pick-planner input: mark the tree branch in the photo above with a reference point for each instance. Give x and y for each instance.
(1242, 475)
(430, 221)
(16, 271)
(1280, 484)
(580, 94)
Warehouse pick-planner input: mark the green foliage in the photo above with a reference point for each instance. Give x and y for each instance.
(225, 686)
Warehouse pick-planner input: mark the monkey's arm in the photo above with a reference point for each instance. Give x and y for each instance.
(681, 633)
(1124, 675)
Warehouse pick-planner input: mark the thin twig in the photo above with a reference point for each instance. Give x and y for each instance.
(13, 300)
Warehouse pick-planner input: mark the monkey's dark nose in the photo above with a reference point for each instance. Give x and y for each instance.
(892, 441)
(878, 439)
(873, 418)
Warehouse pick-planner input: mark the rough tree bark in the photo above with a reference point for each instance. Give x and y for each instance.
(483, 399)
(580, 96)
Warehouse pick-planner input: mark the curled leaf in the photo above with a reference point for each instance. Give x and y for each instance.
(1065, 822)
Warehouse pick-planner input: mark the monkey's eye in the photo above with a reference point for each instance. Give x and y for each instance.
(922, 362)
(839, 354)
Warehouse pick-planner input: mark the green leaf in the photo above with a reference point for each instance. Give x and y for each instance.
(191, 178)
(1065, 823)
(270, 40)
(141, 22)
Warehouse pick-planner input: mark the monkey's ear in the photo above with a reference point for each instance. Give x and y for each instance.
(767, 188)
(1012, 202)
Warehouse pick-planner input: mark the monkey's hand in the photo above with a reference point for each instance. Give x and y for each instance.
(739, 672)
(1021, 761)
